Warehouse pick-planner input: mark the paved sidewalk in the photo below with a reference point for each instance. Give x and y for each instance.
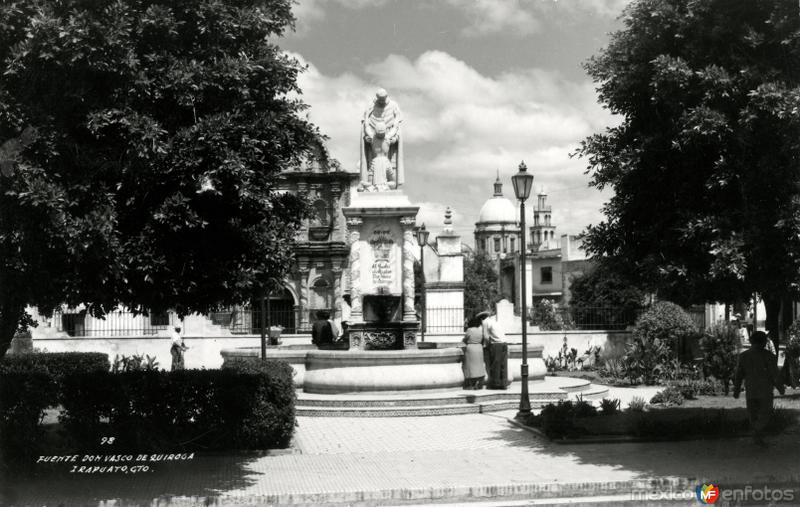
(447, 459)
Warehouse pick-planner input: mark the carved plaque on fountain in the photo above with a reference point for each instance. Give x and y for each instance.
(384, 267)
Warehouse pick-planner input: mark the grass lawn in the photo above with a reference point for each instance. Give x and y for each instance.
(704, 417)
(791, 401)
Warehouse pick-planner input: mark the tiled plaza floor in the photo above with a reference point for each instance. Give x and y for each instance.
(371, 461)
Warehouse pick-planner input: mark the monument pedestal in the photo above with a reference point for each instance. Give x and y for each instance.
(383, 335)
(382, 245)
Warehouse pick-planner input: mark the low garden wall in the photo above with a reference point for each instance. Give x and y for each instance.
(204, 352)
(611, 343)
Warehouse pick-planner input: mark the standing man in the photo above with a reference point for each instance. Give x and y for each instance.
(177, 349)
(758, 370)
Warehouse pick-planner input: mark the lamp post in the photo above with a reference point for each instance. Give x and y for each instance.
(422, 240)
(523, 182)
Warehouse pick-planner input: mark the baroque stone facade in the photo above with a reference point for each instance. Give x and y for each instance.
(319, 279)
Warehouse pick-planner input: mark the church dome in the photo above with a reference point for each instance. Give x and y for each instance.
(498, 208)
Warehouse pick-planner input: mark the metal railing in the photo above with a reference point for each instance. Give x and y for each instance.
(444, 320)
(80, 324)
(585, 318)
(441, 320)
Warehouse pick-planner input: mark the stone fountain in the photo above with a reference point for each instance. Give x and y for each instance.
(383, 354)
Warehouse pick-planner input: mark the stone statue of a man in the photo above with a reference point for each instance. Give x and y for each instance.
(381, 145)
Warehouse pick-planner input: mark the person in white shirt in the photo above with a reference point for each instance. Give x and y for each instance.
(177, 349)
(492, 331)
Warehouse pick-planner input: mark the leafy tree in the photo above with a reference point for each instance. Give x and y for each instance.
(704, 160)
(480, 284)
(145, 138)
(605, 296)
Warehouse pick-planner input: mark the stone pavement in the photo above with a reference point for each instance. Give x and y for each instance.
(445, 459)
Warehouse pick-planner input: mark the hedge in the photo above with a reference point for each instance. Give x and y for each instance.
(244, 406)
(25, 392)
(59, 364)
(231, 408)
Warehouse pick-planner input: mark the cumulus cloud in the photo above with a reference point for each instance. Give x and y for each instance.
(483, 17)
(524, 17)
(491, 16)
(309, 12)
(461, 126)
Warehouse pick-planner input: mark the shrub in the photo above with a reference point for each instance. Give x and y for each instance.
(698, 422)
(583, 408)
(247, 406)
(691, 388)
(609, 406)
(790, 374)
(134, 363)
(60, 364)
(557, 420)
(637, 404)
(25, 392)
(719, 345)
(545, 314)
(671, 396)
(652, 355)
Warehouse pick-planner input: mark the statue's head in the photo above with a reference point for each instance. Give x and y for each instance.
(380, 96)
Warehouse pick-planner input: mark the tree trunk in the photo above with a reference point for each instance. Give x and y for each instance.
(9, 321)
(773, 306)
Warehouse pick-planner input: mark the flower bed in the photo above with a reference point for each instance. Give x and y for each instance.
(568, 422)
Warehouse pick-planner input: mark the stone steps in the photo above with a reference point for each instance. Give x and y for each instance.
(444, 402)
(419, 410)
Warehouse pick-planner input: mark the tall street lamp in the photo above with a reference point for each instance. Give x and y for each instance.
(422, 240)
(523, 182)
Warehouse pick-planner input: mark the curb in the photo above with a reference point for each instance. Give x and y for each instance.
(437, 494)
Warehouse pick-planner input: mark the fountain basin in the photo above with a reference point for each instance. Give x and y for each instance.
(536, 367)
(354, 371)
(296, 357)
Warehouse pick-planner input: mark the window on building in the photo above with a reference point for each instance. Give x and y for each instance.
(547, 274)
(511, 245)
(484, 244)
(496, 245)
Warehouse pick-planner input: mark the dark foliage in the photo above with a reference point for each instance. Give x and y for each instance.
(25, 392)
(147, 140)
(703, 163)
(720, 345)
(243, 406)
(606, 286)
(652, 356)
(59, 364)
(480, 284)
(671, 396)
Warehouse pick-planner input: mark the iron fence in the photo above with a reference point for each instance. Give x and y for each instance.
(451, 320)
(440, 320)
(80, 324)
(248, 321)
(444, 320)
(585, 318)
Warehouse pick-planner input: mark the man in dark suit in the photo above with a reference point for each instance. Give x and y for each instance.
(759, 372)
(322, 331)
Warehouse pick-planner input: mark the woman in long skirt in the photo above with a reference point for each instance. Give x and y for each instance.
(474, 368)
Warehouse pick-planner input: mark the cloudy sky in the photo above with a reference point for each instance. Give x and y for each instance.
(482, 84)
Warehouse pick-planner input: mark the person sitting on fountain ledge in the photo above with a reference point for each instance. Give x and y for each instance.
(322, 331)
